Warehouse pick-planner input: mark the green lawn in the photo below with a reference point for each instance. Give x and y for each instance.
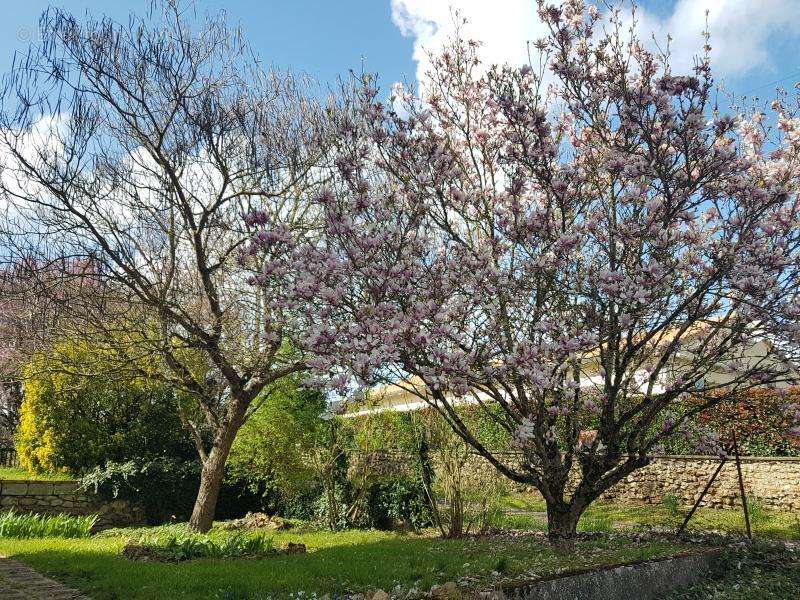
(360, 560)
(20, 473)
(336, 562)
(766, 524)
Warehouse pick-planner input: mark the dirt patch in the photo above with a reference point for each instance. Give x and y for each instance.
(257, 521)
(133, 551)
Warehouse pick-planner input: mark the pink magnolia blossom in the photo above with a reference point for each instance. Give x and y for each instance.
(582, 257)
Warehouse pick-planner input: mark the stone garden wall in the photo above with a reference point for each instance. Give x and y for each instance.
(774, 481)
(53, 497)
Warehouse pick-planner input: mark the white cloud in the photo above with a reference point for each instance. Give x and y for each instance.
(504, 26)
(740, 29)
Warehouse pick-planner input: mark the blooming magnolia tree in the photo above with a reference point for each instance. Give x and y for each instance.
(576, 257)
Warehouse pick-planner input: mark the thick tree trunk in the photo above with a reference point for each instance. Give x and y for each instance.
(213, 472)
(211, 476)
(562, 523)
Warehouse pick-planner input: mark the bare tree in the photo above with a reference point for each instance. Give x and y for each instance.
(140, 147)
(33, 295)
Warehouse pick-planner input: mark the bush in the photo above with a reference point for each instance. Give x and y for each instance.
(13, 525)
(72, 422)
(187, 546)
(276, 449)
(399, 502)
(756, 511)
(760, 418)
(166, 489)
(672, 505)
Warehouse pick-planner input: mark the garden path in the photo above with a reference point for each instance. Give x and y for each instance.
(20, 582)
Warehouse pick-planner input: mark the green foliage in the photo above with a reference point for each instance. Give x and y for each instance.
(73, 422)
(401, 431)
(187, 546)
(397, 502)
(165, 488)
(277, 447)
(387, 430)
(15, 525)
(756, 512)
(305, 465)
(671, 504)
(437, 484)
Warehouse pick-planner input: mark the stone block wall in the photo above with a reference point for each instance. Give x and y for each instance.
(774, 481)
(54, 497)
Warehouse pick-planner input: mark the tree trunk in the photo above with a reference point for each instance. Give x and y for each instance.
(333, 502)
(562, 523)
(456, 529)
(205, 505)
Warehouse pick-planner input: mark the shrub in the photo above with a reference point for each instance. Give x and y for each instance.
(275, 450)
(72, 422)
(399, 502)
(438, 484)
(14, 525)
(166, 488)
(756, 511)
(296, 457)
(758, 416)
(760, 419)
(672, 505)
(187, 546)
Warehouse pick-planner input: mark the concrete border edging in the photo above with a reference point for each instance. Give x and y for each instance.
(643, 581)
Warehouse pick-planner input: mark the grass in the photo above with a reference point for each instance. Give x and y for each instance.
(17, 525)
(766, 524)
(363, 560)
(22, 474)
(752, 572)
(336, 562)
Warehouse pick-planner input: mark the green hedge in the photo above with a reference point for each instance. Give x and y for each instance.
(73, 422)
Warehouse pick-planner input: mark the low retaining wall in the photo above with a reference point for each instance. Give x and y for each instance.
(643, 581)
(54, 497)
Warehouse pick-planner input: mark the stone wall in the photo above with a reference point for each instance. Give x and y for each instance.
(54, 497)
(775, 481)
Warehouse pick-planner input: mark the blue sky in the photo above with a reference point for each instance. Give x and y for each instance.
(323, 38)
(756, 42)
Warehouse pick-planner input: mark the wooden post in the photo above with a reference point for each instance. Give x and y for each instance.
(703, 493)
(741, 486)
